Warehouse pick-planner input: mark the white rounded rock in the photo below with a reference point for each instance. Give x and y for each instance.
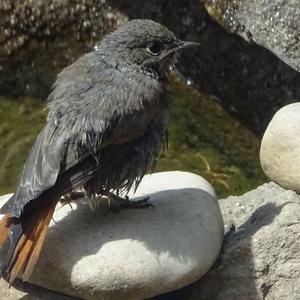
(280, 148)
(134, 254)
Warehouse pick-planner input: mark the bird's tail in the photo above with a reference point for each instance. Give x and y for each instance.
(21, 240)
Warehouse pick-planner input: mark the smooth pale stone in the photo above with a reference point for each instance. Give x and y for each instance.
(134, 254)
(280, 148)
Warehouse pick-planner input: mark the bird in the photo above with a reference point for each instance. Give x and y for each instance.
(107, 121)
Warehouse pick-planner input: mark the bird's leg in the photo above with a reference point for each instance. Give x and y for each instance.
(94, 200)
(73, 195)
(69, 197)
(125, 203)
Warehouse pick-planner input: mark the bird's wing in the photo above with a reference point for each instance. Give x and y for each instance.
(83, 107)
(41, 168)
(54, 147)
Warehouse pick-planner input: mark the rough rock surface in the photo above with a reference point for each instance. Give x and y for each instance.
(134, 254)
(39, 38)
(26, 291)
(260, 258)
(273, 24)
(280, 148)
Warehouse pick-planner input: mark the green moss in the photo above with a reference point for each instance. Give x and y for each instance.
(203, 139)
(19, 126)
(206, 140)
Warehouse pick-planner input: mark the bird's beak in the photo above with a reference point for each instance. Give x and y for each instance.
(181, 45)
(184, 44)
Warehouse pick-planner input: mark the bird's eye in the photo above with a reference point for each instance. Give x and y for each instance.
(155, 48)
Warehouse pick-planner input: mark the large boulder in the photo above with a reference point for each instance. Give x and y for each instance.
(260, 255)
(134, 254)
(272, 24)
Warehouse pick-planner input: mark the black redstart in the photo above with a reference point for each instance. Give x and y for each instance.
(107, 121)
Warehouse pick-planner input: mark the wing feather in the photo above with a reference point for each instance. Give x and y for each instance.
(93, 106)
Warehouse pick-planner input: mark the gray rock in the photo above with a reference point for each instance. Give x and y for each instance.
(260, 258)
(38, 38)
(280, 148)
(26, 291)
(272, 24)
(249, 80)
(134, 254)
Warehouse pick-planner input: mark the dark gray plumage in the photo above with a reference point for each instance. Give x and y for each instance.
(107, 121)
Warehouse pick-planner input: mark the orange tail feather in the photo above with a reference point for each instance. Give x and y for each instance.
(30, 243)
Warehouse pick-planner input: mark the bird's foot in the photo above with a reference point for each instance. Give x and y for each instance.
(69, 197)
(125, 203)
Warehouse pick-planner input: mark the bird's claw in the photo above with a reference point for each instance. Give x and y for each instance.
(125, 203)
(142, 203)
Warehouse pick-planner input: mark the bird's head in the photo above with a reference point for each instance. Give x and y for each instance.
(142, 43)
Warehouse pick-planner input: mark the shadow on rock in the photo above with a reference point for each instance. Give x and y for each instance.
(232, 276)
(25, 291)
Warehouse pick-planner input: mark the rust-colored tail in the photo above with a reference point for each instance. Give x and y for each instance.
(26, 242)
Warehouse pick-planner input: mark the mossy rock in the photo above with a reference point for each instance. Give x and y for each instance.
(19, 127)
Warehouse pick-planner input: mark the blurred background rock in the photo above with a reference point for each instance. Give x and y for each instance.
(225, 92)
